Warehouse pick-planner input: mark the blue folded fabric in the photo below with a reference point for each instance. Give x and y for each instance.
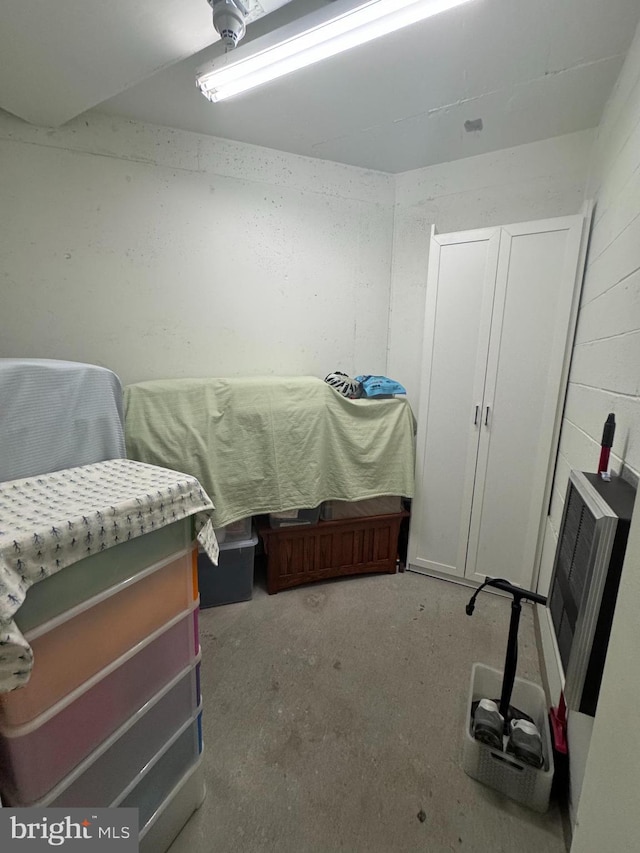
(380, 386)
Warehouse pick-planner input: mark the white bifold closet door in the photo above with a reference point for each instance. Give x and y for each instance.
(461, 283)
(500, 311)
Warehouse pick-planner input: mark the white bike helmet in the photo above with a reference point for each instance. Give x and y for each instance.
(344, 384)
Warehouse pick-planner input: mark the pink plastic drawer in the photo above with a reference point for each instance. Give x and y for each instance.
(72, 648)
(36, 756)
(118, 761)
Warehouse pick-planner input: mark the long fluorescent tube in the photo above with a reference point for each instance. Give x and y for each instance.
(326, 32)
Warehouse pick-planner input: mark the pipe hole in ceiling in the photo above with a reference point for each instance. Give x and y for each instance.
(473, 124)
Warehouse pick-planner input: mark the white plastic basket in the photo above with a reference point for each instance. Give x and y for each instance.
(501, 770)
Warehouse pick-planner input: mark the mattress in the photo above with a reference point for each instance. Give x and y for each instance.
(270, 444)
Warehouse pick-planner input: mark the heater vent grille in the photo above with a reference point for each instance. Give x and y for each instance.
(572, 568)
(587, 569)
(579, 533)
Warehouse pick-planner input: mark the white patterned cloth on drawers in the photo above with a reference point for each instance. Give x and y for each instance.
(51, 521)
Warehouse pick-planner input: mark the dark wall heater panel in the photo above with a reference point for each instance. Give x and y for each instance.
(586, 575)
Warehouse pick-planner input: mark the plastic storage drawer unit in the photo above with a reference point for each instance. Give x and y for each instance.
(103, 776)
(232, 579)
(89, 577)
(37, 756)
(72, 648)
(166, 770)
(160, 831)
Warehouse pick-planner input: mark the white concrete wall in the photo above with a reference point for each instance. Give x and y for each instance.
(513, 185)
(605, 371)
(160, 253)
(605, 374)
(605, 377)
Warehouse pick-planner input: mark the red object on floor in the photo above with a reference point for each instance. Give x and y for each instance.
(558, 717)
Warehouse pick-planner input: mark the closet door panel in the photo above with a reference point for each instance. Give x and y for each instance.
(532, 311)
(458, 315)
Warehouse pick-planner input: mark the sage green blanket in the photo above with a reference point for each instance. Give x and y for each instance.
(268, 444)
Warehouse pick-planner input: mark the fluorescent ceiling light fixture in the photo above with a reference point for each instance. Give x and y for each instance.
(328, 31)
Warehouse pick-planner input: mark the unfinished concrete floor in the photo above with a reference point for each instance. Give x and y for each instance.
(333, 718)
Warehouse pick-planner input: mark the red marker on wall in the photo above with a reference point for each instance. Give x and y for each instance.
(607, 442)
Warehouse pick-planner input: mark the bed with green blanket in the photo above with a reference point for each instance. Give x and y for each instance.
(270, 444)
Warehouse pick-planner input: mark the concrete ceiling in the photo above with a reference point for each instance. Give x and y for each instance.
(529, 69)
(58, 59)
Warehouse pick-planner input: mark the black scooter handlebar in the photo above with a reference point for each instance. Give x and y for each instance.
(511, 659)
(505, 586)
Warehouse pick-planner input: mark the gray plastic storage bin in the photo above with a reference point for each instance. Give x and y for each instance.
(232, 579)
(501, 770)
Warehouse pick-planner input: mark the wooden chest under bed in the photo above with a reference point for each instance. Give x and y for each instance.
(329, 549)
